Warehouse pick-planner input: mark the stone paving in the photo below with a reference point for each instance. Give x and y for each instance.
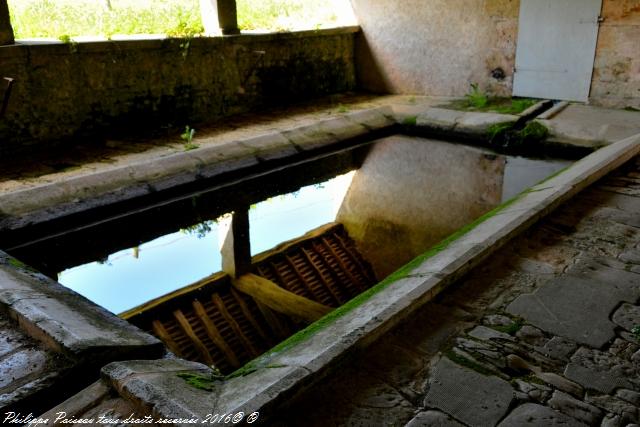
(546, 333)
(25, 366)
(591, 126)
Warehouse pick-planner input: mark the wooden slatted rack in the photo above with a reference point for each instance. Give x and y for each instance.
(214, 323)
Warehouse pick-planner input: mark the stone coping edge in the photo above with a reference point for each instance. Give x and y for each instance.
(66, 322)
(23, 47)
(293, 366)
(74, 194)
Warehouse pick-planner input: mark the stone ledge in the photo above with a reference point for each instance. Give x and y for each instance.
(66, 322)
(79, 193)
(461, 123)
(308, 356)
(153, 42)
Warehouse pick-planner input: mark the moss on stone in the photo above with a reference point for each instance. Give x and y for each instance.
(463, 361)
(507, 136)
(202, 382)
(19, 264)
(512, 328)
(410, 121)
(534, 131)
(497, 130)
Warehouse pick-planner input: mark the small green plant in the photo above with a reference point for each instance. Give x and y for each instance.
(496, 131)
(476, 98)
(636, 331)
(185, 30)
(66, 39)
(187, 137)
(342, 108)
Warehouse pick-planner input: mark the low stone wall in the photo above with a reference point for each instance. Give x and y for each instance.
(72, 90)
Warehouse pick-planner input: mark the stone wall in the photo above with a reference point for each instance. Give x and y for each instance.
(616, 74)
(436, 47)
(72, 91)
(439, 47)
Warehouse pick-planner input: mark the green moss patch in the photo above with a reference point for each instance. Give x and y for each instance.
(410, 121)
(201, 382)
(507, 136)
(512, 328)
(492, 104)
(462, 361)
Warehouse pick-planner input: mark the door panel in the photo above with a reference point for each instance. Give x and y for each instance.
(556, 48)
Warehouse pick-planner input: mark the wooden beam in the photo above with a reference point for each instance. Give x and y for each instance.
(6, 30)
(220, 16)
(236, 248)
(278, 299)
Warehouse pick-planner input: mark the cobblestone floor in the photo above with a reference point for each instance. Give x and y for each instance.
(545, 333)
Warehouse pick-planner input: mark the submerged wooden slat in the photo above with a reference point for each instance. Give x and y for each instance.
(302, 279)
(222, 309)
(366, 270)
(327, 283)
(188, 330)
(343, 266)
(247, 313)
(277, 326)
(214, 334)
(278, 299)
(160, 331)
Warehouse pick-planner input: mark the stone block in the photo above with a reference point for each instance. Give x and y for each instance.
(531, 414)
(626, 412)
(433, 419)
(468, 396)
(479, 123)
(374, 118)
(311, 137)
(597, 370)
(572, 307)
(271, 146)
(627, 316)
(28, 362)
(488, 334)
(439, 119)
(575, 408)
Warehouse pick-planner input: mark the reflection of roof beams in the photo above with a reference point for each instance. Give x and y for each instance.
(226, 324)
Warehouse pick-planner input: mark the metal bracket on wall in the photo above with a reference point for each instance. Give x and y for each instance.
(7, 94)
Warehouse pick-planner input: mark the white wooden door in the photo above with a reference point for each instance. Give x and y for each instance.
(556, 48)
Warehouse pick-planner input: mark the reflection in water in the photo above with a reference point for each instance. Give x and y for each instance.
(408, 194)
(178, 259)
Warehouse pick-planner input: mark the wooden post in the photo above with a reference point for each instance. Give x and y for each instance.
(6, 31)
(219, 16)
(236, 248)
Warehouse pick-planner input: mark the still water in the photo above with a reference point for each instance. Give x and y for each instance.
(132, 276)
